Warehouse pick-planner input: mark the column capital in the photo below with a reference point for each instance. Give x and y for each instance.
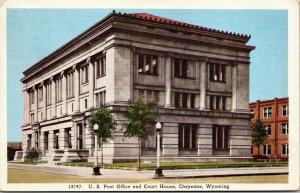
(75, 67)
(203, 59)
(133, 49)
(63, 73)
(169, 54)
(35, 87)
(89, 60)
(234, 63)
(52, 78)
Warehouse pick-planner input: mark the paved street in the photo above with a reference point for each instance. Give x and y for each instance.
(86, 172)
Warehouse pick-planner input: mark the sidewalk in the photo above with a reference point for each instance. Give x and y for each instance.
(86, 172)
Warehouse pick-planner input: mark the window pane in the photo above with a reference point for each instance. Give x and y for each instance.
(176, 68)
(141, 63)
(180, 136)
(184, 100)
(148, 63)
(184, 69)
(155, 65)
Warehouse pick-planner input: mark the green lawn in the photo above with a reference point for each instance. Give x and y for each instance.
(182, 165)
(22, 176)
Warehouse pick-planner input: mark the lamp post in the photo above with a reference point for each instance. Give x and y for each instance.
(158, 169)
(96, 169)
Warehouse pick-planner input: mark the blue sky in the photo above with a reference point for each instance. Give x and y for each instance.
(34, 33)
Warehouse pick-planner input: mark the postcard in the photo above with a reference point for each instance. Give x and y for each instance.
(149, 95)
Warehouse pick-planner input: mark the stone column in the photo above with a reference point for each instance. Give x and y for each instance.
(168, 81)
(91, 83)
(62, 139)
(89, 143)
(53, 86)
(36, 103)
(76, 89)
(204, 140)
(26, 107)
(44, 101)
(42, 142)
(203, 62)
(170, 139)
(74, 136)
(64, 93)
(234, 87)
(51, 140)
(33, 139)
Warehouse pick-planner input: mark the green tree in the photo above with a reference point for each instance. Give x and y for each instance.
(138, 114)
(259, 135)
(10, 153)
(107, 124)
(33, 155)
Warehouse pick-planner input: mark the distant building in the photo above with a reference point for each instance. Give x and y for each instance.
(16, 146)
(275, 118)
(199, 76)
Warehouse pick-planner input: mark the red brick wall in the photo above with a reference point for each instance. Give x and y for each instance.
(276, 139)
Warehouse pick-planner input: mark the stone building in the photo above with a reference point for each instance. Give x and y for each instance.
(274, 115)
(198, 75)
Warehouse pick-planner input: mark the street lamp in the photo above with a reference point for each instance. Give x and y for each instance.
(158, 169)
(96, 169)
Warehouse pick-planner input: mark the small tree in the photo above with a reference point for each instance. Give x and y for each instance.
(107, 124)
(139, 113)
(259, 135)
(10, 153)
(33, 155)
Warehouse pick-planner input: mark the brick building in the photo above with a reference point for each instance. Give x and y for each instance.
(199, 76)
(275, 117)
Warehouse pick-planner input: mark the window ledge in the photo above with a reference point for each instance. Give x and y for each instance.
(143, 73)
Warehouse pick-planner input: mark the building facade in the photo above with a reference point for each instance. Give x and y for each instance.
(199, 77)
(274, 115)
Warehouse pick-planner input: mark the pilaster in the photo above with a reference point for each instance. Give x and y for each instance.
(168, 80)
(62, 139)
(44, 101)
(76, 89)
(64, 93)
(203, 64)
(91, 79)
(53, 87)
(204, 140)
(234, 87)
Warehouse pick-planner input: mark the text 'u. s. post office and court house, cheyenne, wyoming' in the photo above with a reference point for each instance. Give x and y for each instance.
(199, 77)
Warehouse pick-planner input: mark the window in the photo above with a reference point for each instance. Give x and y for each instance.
(31, 97)
(32, 118)
(184, 69)
(267, 112)
(148, 64)
(184, 100)
(48, 94)
(58, 90)
(151, 142)
(187, 134)
(70, 85)
(267, 129)
(85, 103)
(220, 137)
(284, 129)
(40, 93)
(84, 74)
(267, 150)
(217, 102)
(149, 95)
(100, 98)
(68, 138)
(29, 141)
(101, 67)
(217, 72)
(56, 139)
(285, 149)
(285, 110)
(46, 140)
